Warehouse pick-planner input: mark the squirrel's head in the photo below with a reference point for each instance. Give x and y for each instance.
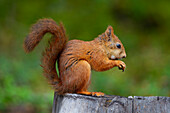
(114, 48)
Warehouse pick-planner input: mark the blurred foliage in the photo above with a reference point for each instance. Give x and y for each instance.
(142, 26)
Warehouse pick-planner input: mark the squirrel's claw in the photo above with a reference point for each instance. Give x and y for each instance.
(122, 66)
(97, 94)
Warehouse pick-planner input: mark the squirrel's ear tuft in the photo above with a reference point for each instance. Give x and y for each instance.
(110, 29)
(109, 32)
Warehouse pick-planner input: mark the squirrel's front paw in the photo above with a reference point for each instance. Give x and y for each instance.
(122, 66)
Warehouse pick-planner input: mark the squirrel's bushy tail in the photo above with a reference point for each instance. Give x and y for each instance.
(50, 55)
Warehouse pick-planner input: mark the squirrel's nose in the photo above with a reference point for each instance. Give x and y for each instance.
(124, 56)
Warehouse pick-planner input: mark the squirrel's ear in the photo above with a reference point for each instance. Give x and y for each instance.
(109, 32)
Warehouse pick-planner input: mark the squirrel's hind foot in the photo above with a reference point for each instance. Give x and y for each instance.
(91, 93)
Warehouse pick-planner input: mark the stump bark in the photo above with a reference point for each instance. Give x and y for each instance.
(74, 103)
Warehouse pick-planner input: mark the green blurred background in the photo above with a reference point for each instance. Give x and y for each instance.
(142, 26)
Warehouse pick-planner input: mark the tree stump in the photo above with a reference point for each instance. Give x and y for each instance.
(75, 103)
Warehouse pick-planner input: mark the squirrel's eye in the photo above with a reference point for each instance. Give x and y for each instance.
(118, 46)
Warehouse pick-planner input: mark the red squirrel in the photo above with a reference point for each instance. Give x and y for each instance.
(75, 58)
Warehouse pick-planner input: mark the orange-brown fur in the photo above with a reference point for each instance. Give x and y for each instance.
(75, 58)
